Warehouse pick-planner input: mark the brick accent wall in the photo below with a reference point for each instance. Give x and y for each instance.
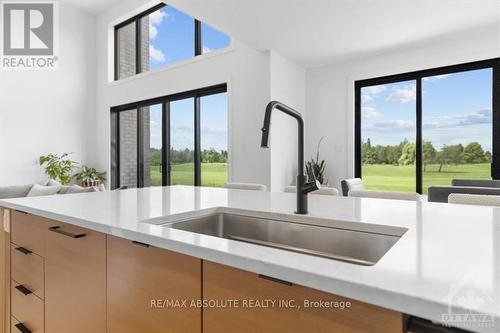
(128, 119)
(128, 148)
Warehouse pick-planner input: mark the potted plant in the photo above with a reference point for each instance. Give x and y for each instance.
(88, 176)
(58, 168)
(315, 168)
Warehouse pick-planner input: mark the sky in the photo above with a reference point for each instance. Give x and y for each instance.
(456, 108)
(171, 38)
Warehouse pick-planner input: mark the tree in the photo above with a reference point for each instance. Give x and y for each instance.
(487, 157)
(380, 154)
(368, 154)
(408, 154)
(429, 153)
(392, 154)
(473, 153)
(155, 156)
(451, 154)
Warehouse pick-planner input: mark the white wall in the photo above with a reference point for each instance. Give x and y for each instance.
(245, 70)
(49, 111)
(287, 86)
(330, 90)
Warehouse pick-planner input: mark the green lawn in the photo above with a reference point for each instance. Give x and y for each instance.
(402, 178)
(212, 174)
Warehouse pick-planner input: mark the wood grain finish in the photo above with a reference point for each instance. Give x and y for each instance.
(4, 275)
(13, 328)
(27, 231)
(75, 281)
(27, 269)
(138, 274)
(225, 283)
(27, 309)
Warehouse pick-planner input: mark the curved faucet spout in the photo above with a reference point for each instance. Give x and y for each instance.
(302, 187)
(267, 125)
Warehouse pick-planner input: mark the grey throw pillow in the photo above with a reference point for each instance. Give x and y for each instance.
(79, 189)
(40, 190)
(99, 188)
(53, 182)
(18, 191)
(64, 189)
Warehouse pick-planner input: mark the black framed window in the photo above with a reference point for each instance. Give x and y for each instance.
(178, 139)
(424, 128)
(159, 37)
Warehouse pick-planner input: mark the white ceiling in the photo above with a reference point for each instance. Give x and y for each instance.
(317, 32)
(92, 6)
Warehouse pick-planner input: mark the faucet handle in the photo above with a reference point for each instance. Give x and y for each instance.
(311, 186)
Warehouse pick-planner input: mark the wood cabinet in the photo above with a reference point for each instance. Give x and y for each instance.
(75, 279)
(4, 271)
(142, 279)
(26, 272)
(27, 308)
(61, 278)
(28, 230)
(27, 269)
(222, 283)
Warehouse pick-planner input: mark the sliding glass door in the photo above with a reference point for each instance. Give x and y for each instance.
(182, 141)
(214, 138)
(150, 159)
(457, 126)
(425, 128)
(388, 136)
(172, 140)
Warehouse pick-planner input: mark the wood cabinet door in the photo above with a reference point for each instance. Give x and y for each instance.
(223, 283)
(4, 272)
(75, 280)
(142, 280)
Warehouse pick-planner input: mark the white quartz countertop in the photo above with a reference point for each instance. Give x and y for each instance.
(446, 265)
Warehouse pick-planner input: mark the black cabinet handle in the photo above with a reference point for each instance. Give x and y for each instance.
(23, 250)
(419, 325)
(57, 229)
(265, 277)
(140, 244)
(21, 328)
(24, 290)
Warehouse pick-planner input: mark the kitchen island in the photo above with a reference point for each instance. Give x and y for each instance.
(445, 267)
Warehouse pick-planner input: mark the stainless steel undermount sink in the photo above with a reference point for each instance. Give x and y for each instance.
(358, 247)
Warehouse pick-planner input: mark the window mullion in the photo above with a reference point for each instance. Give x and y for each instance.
(166, 144)
(197, 142)
(140, 148)
(198, 48)
(138, 45)
(419, 143)
(495, 161)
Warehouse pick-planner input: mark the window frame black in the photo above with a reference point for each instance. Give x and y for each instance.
(165, 101)
(417, 76)
(198, 48)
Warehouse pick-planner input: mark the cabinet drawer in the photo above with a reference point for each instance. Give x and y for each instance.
(224, 283)
(27, 231)
(18, 327)
(27, 269)
(75, 279)
(27, 309)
